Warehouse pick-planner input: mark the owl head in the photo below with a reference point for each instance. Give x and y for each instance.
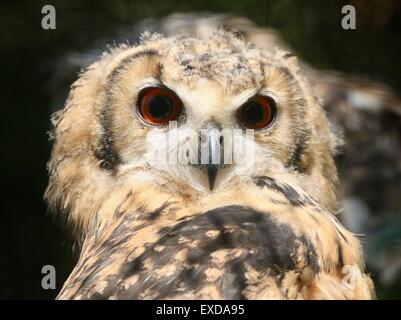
(192, 116)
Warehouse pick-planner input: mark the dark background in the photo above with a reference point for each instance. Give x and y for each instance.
(29, 236)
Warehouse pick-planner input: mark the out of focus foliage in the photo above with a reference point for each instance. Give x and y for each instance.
(28, 54)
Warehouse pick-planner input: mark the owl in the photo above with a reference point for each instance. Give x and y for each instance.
(165, 205)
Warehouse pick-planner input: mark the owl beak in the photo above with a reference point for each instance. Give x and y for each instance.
(212, 170)
(211, 155)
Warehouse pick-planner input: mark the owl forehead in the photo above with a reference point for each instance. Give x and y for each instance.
(228, 68)
(212, 75)
(231, 64)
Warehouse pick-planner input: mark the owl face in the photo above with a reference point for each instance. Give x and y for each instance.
(175, 102)
(175, 112)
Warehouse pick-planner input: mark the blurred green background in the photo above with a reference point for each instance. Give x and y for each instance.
(30, 238)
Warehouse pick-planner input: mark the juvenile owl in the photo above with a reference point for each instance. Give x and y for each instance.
(165, 204)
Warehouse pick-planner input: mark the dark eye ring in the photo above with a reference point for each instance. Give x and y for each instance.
(158, 106)
(258, 112)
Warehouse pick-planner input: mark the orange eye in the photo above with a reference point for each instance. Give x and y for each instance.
(158, 106)
(258, 112)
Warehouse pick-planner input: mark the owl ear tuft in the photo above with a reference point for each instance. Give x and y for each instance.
(289, 59)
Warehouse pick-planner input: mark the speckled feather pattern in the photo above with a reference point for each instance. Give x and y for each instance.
(280, 244)
(151, 233)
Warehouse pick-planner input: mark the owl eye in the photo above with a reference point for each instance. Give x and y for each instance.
(258, 112)
(158, 106)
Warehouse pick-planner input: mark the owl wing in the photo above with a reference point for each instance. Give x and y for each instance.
(230, 252)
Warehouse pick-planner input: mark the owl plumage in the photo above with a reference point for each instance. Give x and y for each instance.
(159, 231)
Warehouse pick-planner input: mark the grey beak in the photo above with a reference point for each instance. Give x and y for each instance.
(211, 154)
(212, 170)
